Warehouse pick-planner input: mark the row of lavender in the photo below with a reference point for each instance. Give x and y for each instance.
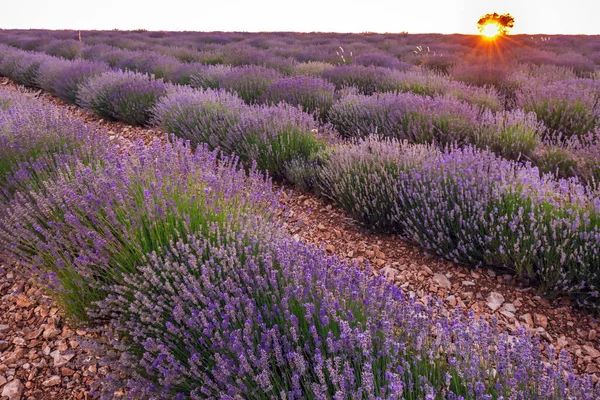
(495, 212)
(581, 54)
(176, 251)
(564, 141)
(560, 136)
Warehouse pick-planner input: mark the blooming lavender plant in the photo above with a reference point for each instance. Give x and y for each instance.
(87, 228)
(474, 208)
(249, 82)
(23, 67)
(272, 136)
(35, 140)
(312, 68)
(125, 96)
(210, 77)
(314, 95)
(67, 49)
(567, 108)
(404, 116)
(510, 134)
(200, 116)
(240, 315)
(62, 78)
(159, 65)
(380, 60)
(368, 80)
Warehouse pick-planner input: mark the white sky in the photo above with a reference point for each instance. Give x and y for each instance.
(414, 16)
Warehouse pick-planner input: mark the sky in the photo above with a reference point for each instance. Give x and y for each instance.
(412, 16)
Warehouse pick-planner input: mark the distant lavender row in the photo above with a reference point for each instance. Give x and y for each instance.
(212, 300)
(258, 84)
(131, 96)
(579, 53)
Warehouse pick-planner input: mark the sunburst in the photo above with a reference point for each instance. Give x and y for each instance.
(491, 30)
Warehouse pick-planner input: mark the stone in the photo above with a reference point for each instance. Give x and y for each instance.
(4, 345)
(495, 300)
(527, 319)
(508, 314)
(592, 334)
(427, 270)
(540, 320)
(50, 332)
(4, 327)
(14, 356)
(510, 307)
(592, 369)
(330, 248)
(2, 380)
(389, 272)
(23, 301)
(61, 360)
(591, 350)
(442, 281)
(34, 334)
(54, 380)
(13, 390)
(562, 342)
(451, 300)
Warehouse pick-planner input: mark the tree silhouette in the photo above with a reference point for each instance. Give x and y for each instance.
(505, 22)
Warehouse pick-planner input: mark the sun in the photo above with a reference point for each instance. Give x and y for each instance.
(491, 30)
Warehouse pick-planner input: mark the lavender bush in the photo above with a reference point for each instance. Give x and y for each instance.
(63, 78)
(159, 65)
(210, 77)
(124, 96)
(475, 208)
(272, 136)
(510, 134)
(249, 82)
(240, 316)
(200, 116)
(404, 116)
(87, 228)
(362, 177)
(67, 49)
(586, 150)
(35, 140)
(312, 68)
(367, 80)
(48, 73)
(314, 95)
(567, 108)
(22, 67)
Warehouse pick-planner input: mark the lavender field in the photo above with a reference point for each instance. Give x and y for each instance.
(484, 153)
